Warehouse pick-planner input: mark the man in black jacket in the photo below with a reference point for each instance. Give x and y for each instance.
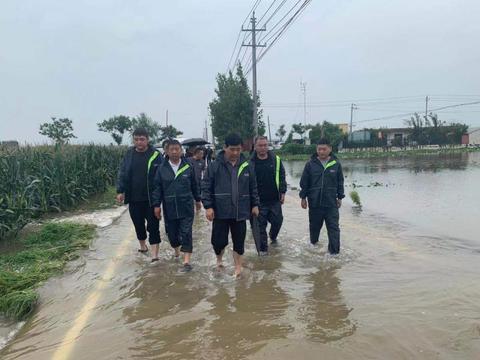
(270, 175)
(176, 188)
(135, 185)
(229, 195)
(322, 185)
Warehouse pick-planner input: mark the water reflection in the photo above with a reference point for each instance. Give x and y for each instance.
(325, 312)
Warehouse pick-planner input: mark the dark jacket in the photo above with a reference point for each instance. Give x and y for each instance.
(278, 171)
(217, 189)
(322, 186)
(175, 192)
(124, 178)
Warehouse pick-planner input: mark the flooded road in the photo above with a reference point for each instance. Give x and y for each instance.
(406, 284)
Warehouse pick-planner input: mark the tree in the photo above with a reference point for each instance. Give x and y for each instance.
(418, 132)
(326, 130)
(232, 107)
(153, 128)
(59, 130)
(281, 132)
(262, 128)
(169, 132)
(116, 126)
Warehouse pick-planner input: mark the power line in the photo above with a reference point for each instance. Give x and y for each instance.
(275, 12)
(279, 22)
(411, 113)
(254, 6)
(283, 30)
(266, 11)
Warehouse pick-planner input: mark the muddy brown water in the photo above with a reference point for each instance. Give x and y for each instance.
(405, 286)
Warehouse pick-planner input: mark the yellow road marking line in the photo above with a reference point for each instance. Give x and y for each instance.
(68, 343)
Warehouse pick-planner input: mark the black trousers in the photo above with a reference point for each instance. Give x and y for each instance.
(139, 213)
(269, 213)
(180, 233)
(329, 215)
(220, 230)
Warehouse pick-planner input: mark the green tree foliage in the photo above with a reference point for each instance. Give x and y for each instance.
(116, 126)
(281, 132)
(169, 132)
(232, 107)
(59, 130)
(431, 130)
(153, 128)
(326, 130)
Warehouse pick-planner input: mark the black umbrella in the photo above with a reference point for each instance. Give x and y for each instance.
(194, 142)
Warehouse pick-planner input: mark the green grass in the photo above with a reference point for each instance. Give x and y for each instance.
(355, 198)
(44, 253)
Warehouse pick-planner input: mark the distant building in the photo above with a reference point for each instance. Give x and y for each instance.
(472, 137)
(9, 144)
(344, 127)
(360, 136)
(394, 136)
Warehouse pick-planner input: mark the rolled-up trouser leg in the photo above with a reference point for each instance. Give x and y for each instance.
(331, 221)
(153, 226)
(275, 217)
(185, 229)
(262, 225)
(219, 240)
(239, 231)
(316, 217)
(173, 232)
(137, 212)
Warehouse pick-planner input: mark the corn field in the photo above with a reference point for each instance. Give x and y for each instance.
(38, 179)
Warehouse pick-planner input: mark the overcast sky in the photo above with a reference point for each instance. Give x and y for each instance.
(90, 60)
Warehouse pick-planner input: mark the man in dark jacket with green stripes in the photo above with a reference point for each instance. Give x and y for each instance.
(272, 186)
(176, 188)
(135, 186)
(322, 185)
(229, 196)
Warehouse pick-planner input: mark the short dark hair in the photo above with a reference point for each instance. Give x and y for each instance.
(323, 141)
(172, 142)
(260, 137)
(140, 132)
(233, 139)
(197, 150)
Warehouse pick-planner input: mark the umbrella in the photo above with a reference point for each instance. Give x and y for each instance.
(194, 142)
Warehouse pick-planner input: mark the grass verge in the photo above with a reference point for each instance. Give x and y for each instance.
(44, 253)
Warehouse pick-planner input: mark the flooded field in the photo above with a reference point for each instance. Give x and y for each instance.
(406, 284)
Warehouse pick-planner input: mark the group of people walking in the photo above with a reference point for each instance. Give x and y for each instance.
(232, 189)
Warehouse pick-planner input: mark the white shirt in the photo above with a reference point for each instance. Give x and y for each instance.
(174, 167)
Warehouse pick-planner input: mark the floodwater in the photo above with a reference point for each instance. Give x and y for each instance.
(405, 286)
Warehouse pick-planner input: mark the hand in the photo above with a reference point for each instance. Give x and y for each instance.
(304, 204)
(210, 214)
(120, 198)
(282, 198)
(255, 211)
(198, 205)
(158, 213)
(339, 203)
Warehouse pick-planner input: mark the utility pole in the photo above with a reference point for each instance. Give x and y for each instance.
(166, 118)
(426, 107)
(352, 107)
(206, 130)
(303, 87)
(269, 133)
(254, 46)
